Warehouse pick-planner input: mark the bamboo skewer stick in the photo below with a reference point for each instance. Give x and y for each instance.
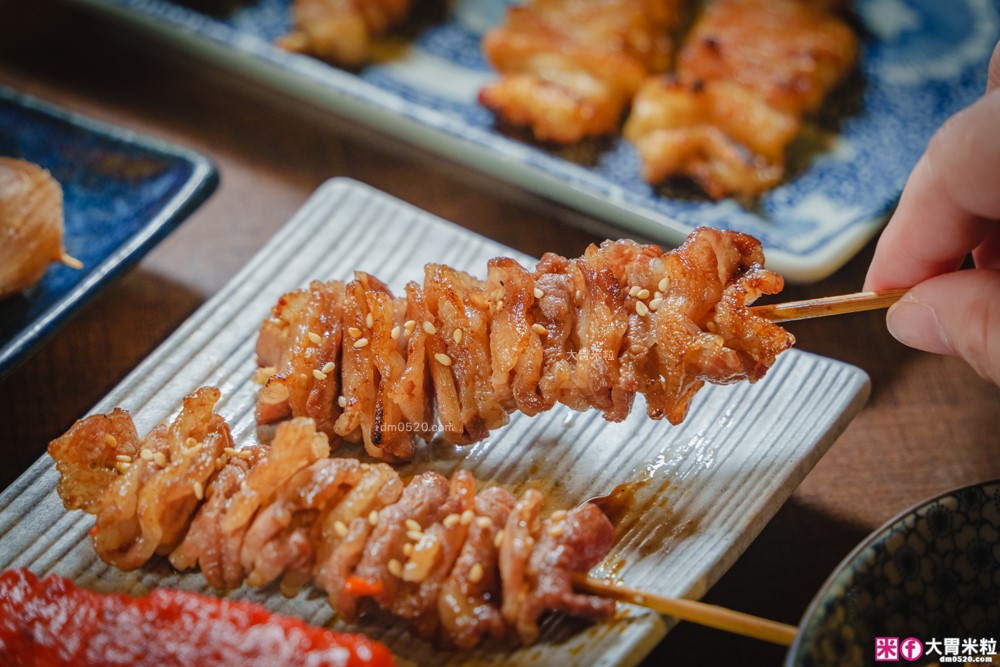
(693, 611)
(829, 305)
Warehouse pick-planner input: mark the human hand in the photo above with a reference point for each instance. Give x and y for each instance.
(949, 208)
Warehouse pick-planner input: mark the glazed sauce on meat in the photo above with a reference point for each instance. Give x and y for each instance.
(627, 503)
(49, 622)
(617, 504)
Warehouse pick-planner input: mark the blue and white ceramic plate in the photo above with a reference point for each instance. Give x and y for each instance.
(121, 195)
(928, 578)
(922, 61)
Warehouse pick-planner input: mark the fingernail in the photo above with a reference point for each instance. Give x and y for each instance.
(916, 324)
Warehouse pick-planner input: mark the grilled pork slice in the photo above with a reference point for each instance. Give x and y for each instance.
(454, 563)
(458, 353)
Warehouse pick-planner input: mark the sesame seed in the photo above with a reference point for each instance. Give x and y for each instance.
(412, 524)
(121, 466)
(395, 569)
(412, 574)
(641, 308)
(655, 304)
(146, 455)
(328, 367)
(414, 535)
(484, 521)
(219, 463)
(160, 459)
(354, 332)
(539, 293)
(642, 294)
(199, 490)
(498, 540)
(579, 295)
(342, 401)
(663, 285)
(360, 343)
(315, 337)
(476, 573)
(340, 528)
(409, 324)
(467, 517)
(559, 515)
(373, 518)
(457, 335)
(451, 520)
(556, 530)
(125, 458)
(303, 376)
(318, 374)
(262, 375)
(244, 454)
(230, 451)
(369, 320)
(657, 295)
(539, 329)
(430, 328)
(500, 304)
(443, 359)
(187, 451)
(408, 549)
(394, 334)
(111, 440)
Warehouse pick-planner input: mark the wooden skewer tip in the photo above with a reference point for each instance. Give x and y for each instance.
(693, 611)
(830, 305)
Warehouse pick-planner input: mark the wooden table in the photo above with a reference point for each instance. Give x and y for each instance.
(931, 424)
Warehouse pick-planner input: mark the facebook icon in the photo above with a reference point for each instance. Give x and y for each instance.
(911, 649)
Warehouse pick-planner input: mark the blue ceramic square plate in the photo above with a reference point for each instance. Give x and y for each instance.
(922, 60)
(122, 194)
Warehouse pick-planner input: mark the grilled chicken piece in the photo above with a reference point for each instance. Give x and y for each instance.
(748, 74)
(569, 68)
(342, 31)
(31, 225)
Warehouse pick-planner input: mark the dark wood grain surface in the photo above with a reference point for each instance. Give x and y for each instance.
(931, 424)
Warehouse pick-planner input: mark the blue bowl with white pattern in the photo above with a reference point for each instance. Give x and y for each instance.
(922, 589)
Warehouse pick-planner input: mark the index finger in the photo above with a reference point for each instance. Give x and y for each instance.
(949, 205)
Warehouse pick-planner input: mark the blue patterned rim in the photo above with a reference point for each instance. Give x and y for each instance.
(931, 572)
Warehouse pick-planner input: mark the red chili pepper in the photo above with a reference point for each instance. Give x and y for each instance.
(361, 587)
(51, 622)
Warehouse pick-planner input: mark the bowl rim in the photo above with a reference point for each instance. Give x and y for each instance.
(797, 644)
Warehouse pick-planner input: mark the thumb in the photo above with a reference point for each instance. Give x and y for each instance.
(956, 314)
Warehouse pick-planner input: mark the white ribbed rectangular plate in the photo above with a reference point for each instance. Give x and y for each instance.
(703, 490)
